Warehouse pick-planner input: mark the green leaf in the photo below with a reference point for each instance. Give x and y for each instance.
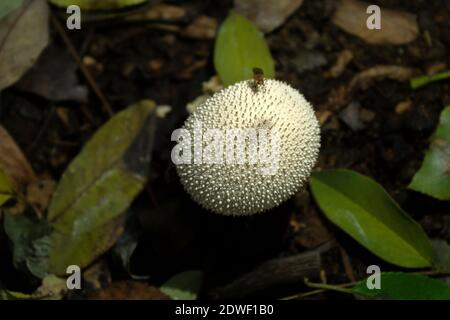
(6, 6)
(363, 209)
(6, 188)
(30, 242)
(98, 186)
(239, 48)
(418, 82)
(405, 286)
(97, 5)
(433, 178)
(183, 286)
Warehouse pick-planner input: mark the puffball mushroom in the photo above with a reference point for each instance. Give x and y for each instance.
(244, 188)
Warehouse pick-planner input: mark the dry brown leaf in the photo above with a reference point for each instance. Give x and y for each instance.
(203, 27)
(39, 193)
(24, 33)
(269, 14)
(160, 11)
(397, 27)
(128, 290)
(13, 161)
(365, 78)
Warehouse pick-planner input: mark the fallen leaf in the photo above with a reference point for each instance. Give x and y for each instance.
(269, 14)
(183, 286)
(433, 177)
(128, 290)
(46, 79)
(30, 241)
(397, 27)
(97, 5)
(6, 6)
(350, 116)
(87, 207)
(6, 188)
(39, 193)
(97, 276)
(306, 60)
(203, 27)
(441, 261)
(13, 161)
(24, 33)
(159, 11)
(52, 288)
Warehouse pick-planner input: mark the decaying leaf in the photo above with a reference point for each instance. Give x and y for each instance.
(128, 290)
(441, 261)
(97, 187)
(269, 14)
(47, 80)
(183, 286)
(396, 27)
(13, 161)
(30, 241)
(52, 288)
(6, 188)
(6, 6)
(24, 33)
(97, 5)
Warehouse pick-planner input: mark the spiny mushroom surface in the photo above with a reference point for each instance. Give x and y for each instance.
(242, 189)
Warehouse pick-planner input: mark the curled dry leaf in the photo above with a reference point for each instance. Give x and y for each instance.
(24, 33)
(267, 15)
(397, 27)
(13, 161)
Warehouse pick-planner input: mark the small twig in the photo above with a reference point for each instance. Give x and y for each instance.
(73, 52)
(347, 264)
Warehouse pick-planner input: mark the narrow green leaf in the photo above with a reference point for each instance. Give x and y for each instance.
(98, 186)
(433, 178)
(424, 80)
(363, 209)
(183, 286)
(405, 286)
(6, 188)
(97, 5)
(239, 48)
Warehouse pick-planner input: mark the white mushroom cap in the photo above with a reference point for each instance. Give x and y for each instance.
(242, 189)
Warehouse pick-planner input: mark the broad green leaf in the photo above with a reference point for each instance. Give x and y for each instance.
(183, 286)
(6, 6)
(405, 286)
(433, 178)
(98, 186)
(424, 80)
(96, 4)
(239, 48)
(363, 209)
(6, 188)
(30, 241)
